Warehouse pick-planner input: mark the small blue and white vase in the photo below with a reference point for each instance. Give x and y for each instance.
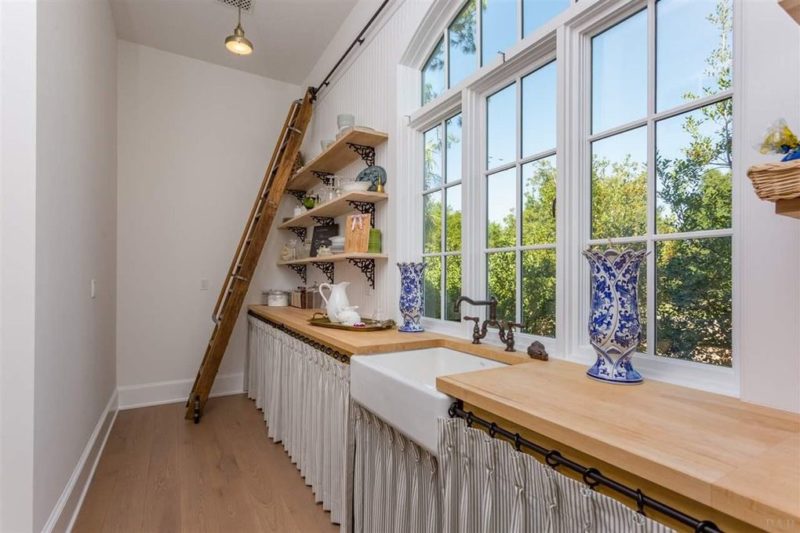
(614, 326)
(412, 296)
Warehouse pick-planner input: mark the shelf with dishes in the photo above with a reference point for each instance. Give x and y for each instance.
(352, 143)
(364, 261)
(361, 201)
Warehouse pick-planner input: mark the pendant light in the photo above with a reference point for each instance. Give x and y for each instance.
(238, 43)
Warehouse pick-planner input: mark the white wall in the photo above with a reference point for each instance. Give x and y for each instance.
(769, 267)
(75, 374)
(194, 140)
(17, 261)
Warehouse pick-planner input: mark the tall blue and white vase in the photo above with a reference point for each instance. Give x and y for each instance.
(412, 296)
(614, 326)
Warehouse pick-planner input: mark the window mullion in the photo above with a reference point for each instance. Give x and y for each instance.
(651, 177)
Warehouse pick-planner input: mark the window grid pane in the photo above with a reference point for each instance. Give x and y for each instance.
(688, 182)
(462, 45)
(433, 287)
(433, 74)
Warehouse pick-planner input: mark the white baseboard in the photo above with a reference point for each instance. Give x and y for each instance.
(133, 396)
(69, 503)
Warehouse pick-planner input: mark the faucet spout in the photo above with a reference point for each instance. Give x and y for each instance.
(491, 303)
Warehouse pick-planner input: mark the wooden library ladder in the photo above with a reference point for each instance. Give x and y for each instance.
(245, 260)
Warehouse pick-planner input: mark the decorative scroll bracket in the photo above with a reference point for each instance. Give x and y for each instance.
(326, 268)
(367, 153)
(367, 267)
(323, 221)
(301, 271)
(365, 208)
(299, 231)
(299, 195)
(324, 177)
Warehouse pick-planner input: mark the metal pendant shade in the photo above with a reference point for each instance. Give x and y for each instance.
(238, 43)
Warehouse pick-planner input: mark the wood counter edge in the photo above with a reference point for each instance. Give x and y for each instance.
(710, 492)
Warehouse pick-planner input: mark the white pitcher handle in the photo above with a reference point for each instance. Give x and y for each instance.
(321, 286)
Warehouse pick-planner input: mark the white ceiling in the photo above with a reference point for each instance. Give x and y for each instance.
(288, 35)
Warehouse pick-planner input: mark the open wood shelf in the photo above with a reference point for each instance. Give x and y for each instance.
(337, 156)
(789, 208)
(334, 208)
(335, 258)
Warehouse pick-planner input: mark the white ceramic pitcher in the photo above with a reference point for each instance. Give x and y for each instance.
(337, 301)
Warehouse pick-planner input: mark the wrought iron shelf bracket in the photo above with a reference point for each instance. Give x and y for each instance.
(299, 195)
(324, 177)
(326, 268)
(299, 231)
(301, 271)
(323, 221)
(367, 267)
(591, 476)
(365, 208)
(367, 153)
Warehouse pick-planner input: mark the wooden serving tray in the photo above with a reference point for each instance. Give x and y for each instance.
(370, 325)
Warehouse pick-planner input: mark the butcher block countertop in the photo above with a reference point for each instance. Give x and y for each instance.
(375, 342)
(738, 458)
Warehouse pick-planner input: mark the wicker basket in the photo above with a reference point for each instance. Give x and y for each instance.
(776, 181)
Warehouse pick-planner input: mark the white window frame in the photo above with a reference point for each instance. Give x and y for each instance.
(544, 59)
(443, 187)
(566, 38)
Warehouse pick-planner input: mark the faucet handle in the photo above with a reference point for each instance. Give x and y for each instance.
(476, 329)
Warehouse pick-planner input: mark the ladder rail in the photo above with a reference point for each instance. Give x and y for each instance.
(268, 175)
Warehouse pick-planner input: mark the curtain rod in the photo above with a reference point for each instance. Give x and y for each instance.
(359, 40)
(591, 476)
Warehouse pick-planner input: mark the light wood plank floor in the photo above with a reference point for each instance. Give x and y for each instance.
(161, 473)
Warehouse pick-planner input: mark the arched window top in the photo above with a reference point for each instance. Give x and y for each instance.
(475, 34)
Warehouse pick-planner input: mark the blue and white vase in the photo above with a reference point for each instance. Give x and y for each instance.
(412, 297)
(614, 327)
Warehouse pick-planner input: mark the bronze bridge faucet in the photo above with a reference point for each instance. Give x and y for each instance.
(506, 328)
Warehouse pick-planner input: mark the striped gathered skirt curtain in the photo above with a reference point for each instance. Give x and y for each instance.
(488, 486)
(305, 397)
(395, 481)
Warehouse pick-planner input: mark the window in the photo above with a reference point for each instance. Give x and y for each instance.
(520, 184)
(441, 227)
(661, 158)
(459, 52)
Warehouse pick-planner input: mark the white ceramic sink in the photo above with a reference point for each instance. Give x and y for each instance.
(400, 387)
